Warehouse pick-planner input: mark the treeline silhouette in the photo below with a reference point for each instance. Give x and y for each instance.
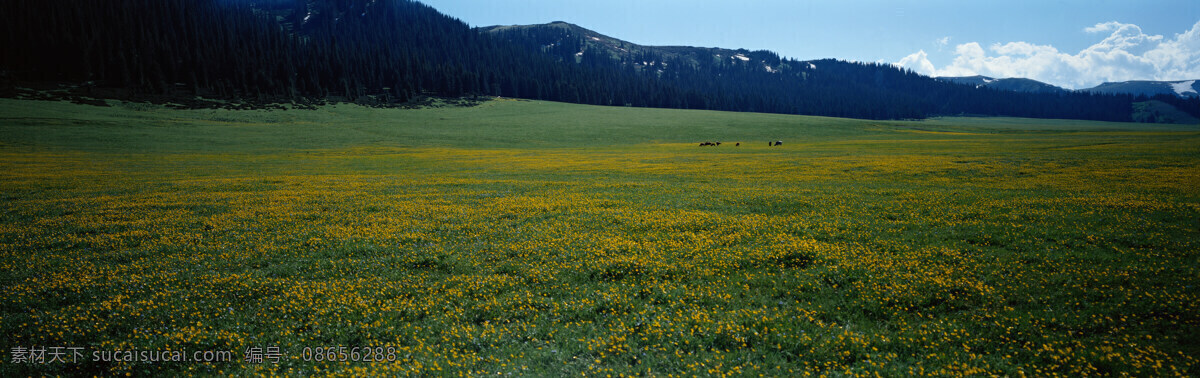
(392, 51)
(350, 50)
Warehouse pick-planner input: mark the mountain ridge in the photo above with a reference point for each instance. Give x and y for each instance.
(1181, 88)
(1007, 84)
(1148, 88)
(617, 47)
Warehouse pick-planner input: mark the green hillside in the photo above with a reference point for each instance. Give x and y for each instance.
(1160, 112)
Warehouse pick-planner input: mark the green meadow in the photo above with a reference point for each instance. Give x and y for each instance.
(546, 239)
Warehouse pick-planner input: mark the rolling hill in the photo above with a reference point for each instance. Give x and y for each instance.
(1006, 84)
(1186, 88)
(597, 43)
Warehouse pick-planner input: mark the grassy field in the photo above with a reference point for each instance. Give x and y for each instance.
(543, 239)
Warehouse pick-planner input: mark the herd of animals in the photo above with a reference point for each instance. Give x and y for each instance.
(714, 144)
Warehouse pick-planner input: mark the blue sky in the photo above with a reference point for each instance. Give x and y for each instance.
(1072, 43)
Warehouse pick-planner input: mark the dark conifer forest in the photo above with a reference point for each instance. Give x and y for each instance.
(381, 52)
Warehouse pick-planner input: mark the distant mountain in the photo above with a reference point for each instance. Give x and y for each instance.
(1187, 88)
(1008, 84)
(617, 49)
(1164, 101)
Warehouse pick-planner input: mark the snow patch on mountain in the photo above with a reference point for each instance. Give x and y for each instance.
(1184, 87)
(742, 57)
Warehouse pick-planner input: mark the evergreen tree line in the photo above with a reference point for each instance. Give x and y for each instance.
(390, 51)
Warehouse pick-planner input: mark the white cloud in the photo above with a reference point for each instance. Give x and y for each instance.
(1126, 54)
(1103, 27)
(918, 61)
(942, 42)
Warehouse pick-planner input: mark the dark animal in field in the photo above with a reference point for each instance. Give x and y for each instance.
(779, 143)
(708, 144)
(717, 143)
(737, 144)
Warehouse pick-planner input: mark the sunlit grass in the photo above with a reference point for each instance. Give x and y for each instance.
(550, 239)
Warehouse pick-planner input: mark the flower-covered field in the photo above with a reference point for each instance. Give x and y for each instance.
(548, 239)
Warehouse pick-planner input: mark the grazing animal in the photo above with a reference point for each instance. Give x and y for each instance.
(737, 144)
(779, 143)
(708, 144)
(717, 144)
